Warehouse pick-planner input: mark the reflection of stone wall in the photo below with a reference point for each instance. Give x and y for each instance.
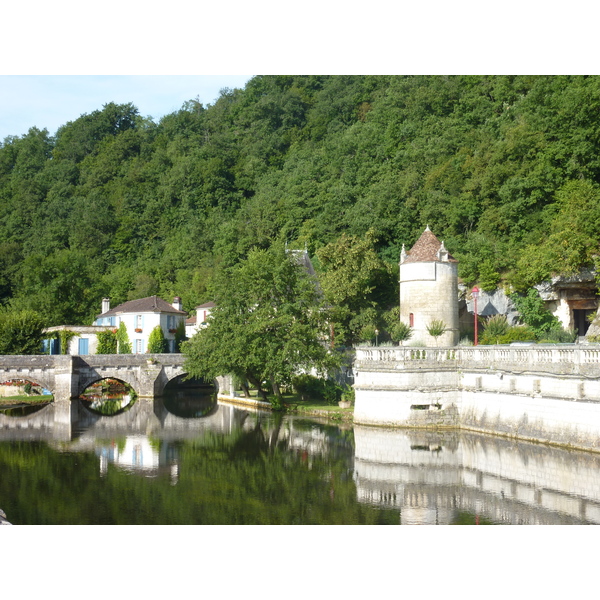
(429, 477)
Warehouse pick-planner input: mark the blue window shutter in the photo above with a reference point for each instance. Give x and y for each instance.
(83, 346)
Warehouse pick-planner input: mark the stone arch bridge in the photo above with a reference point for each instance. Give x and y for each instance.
(68, 376)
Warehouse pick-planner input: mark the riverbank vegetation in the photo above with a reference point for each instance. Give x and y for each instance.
(504, 169)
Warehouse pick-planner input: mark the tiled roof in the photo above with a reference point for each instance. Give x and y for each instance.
(426, 249)
(207, 305)
(150, 304)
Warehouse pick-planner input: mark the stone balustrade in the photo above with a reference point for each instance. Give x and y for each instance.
(557, 359)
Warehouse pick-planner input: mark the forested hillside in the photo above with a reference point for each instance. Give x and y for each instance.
(505, 170)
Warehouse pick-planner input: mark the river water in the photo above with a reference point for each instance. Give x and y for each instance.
(187, 459)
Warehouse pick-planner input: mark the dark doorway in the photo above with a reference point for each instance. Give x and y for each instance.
(580, 321)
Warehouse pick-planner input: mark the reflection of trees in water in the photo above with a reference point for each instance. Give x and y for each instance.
(249, 476)
(25, 410)
(190, 405)
(190, 398)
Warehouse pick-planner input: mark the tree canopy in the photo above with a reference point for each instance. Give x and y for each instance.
(21, 331)
(268, 324)
(504, 169)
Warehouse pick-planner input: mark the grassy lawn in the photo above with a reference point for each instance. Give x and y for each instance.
(294, 402)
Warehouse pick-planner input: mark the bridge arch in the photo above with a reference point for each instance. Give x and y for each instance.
(181, 379)
(85, 382)
(46, 383)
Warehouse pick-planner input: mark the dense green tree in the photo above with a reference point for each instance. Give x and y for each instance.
(21, 331)
(268, 324)
(356, 283)
(505, 169)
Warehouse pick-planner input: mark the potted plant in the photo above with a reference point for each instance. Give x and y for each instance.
(347, 398)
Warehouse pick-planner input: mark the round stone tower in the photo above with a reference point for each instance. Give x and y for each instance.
(429, 290)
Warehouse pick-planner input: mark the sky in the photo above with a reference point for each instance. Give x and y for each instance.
(47, 102)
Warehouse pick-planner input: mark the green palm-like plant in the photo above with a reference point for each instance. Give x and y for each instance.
(436, 328)
(495, 327)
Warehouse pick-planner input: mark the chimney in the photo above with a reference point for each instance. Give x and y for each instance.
(105, 305)
(177, 303)
(443, 253)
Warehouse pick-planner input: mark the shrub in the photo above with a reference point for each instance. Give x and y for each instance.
(107, 342)
(156, 341)
(349, 395)
(534, 313)
(316, 388)
(519, 333)
(559, 336)
(367, 333)
(180, 336)
(495, 327)
(401, 332)
(123, 343)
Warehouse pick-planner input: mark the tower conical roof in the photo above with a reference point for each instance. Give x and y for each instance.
(426, 249)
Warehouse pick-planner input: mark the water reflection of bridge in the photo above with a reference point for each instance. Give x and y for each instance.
(431, 477)
(64, 422)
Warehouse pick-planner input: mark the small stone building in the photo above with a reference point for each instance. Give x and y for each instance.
(572, 299)
(429, 290)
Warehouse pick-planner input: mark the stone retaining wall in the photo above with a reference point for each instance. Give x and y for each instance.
(549, 394)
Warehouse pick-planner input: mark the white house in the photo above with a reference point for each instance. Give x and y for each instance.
(80, 340)
(194, 324)
(141, 317)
